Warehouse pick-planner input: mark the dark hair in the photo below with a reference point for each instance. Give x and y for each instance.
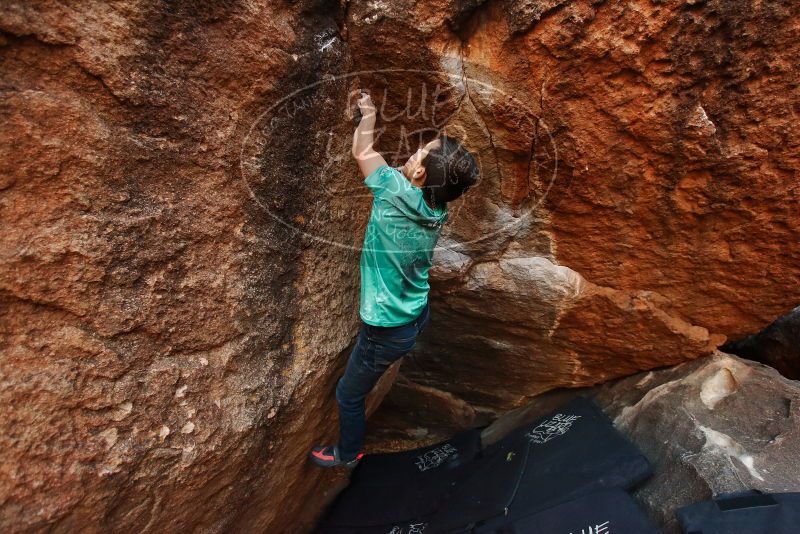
(450, 170)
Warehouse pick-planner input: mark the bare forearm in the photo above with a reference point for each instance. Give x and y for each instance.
(364, 137)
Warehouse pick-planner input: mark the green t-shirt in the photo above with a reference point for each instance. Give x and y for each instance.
(398, 249)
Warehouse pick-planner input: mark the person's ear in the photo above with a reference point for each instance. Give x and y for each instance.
(419, 172)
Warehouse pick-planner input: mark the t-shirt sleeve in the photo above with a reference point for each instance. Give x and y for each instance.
(386, 181)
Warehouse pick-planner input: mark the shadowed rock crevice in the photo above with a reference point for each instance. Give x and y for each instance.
(778, 345)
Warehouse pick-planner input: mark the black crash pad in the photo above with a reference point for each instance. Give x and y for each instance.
(603, 512)
(565, 455)
(398, 468)
(749, 512)
(488, 490)
(571, 452)
(404, 486)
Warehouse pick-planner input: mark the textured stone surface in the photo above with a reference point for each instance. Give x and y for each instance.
(179, 288)
(169, 351)
(639, 202)
(717, 424)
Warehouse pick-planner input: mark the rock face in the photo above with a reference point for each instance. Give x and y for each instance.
(178, 287)
(638, 203)
(169, 349)
(718, 424)
(778, 345)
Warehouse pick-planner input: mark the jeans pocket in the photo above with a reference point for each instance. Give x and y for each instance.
(389, 350)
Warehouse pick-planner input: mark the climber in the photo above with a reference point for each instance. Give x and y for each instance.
(408, 210)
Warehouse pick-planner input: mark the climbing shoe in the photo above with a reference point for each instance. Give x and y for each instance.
(328, 456)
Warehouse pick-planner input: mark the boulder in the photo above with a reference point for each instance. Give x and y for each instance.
(170, 343)
(638, 203)
(715, 425)
(720, 424)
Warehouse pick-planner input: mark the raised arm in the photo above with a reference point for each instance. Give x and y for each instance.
(363, 138)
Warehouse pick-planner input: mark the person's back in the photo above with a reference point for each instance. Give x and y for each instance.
(398, 249)
(408, 210)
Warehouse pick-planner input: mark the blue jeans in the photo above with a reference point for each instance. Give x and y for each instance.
(376, 348)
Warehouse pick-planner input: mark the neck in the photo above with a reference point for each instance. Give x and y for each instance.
(428, 201)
